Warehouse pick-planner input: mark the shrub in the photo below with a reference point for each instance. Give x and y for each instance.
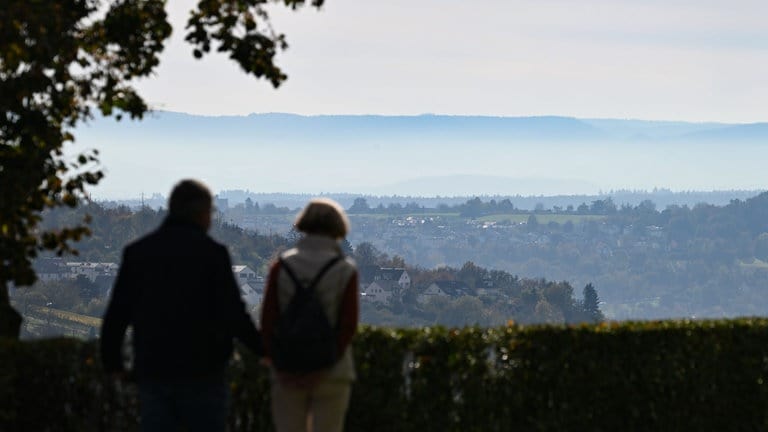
(668, 375)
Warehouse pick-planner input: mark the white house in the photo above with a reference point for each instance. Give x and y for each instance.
(252, 294)
(381, 291)
(251, 285)
(244, 274)
(91, 270)
(432, 291)
(398, 275)
(370, 274)
(442, 289)
(382, 284)
(87, 269)
(51, 269)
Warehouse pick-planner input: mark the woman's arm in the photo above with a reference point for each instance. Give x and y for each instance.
(349, 314)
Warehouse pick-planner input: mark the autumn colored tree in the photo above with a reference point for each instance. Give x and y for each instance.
(61, 61)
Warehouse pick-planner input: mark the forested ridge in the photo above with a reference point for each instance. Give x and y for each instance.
(113, 228)
(680, 261)
(512, 299)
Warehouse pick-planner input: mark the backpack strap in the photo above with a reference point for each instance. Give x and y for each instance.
(316, 279)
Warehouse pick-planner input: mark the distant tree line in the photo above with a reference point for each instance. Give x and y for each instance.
(662, 198)
(476, 207)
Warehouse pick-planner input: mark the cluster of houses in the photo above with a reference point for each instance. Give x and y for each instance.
(383, 285)
(251, 284)
(56, 269)
(380, 285)
(103, 274)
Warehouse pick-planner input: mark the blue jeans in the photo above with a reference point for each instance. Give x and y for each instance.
(199, 404)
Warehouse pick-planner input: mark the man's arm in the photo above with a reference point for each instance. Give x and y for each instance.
(118, 317)
(234, 313)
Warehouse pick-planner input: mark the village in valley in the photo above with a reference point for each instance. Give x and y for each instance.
(481, 261)
(379, 285)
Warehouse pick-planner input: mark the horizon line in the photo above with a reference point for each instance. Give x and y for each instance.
(597, 194)
(491, 116)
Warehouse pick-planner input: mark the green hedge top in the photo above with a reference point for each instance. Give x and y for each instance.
(667, 375)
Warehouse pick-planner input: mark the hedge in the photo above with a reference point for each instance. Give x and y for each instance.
(649, 376)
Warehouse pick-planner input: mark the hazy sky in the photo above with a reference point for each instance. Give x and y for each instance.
(698, 60)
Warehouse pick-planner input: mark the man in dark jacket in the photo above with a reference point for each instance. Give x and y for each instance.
(176, 289)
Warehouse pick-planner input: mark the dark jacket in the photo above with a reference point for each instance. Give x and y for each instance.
(176, 288)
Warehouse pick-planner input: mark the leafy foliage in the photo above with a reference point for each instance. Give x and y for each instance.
(62, 59)
(669, 375)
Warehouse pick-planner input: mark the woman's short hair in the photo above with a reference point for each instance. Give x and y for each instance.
(189, 199)
(323, 216)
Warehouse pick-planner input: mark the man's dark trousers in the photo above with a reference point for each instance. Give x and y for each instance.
(198, 404)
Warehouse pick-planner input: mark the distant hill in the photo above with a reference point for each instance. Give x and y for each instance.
(748, 133)
(634, 130)
(341, 127)
(424, 155)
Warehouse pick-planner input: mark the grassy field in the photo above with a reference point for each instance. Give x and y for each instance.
(42, 321)
(65, 316)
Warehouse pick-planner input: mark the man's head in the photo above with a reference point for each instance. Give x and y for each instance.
(323, 216)
(191, 201)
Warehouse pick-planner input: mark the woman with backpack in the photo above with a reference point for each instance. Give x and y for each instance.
(308, 317)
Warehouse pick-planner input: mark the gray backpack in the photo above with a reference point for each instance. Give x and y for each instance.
(304, 339)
